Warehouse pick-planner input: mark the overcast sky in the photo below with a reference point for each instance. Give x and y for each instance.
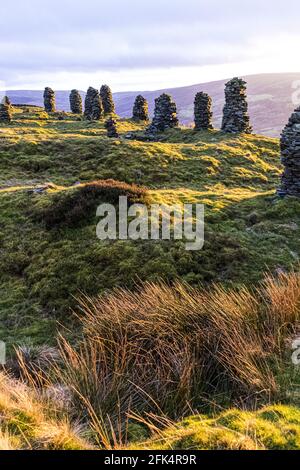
(144, 45)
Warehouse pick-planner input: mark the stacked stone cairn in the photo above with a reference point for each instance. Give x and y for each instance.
(6, 100)
(97, 107)
(5, 110)
(107, 99)
(140, 109)
(49, 100)
(111, 127)
(203, 112)
(235, 112)
(90, 98)
(165, 115)
(290, 156)
(75, 102)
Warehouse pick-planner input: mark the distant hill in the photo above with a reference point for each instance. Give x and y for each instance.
(269, 95)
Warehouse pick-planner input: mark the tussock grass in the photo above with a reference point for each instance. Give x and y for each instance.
(169, 349)
(29, 421)
(163, 352)
(152, 357)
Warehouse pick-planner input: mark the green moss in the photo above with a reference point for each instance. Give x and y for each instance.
(234, 429)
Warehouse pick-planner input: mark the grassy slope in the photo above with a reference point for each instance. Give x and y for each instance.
(42, 269)
(31, 422)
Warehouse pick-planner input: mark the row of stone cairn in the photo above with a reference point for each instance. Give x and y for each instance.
(235, 120)
(98, 104)
(235, 113)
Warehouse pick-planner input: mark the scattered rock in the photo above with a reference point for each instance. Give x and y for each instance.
(294, 255)
(253, 218)
(292, 226)
(279, 270)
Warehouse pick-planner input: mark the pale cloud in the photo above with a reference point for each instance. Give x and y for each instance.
(144, 45)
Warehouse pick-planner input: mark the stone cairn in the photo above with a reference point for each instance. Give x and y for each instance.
(97, 107)
(49, 100)
(290, 156)
(140, 109)
(107, 99)
(89, 102)
(165, 115)
(5, 110)
(111, 127)
(202, 112)
(75, 102)
(6, 100)
(235, 112)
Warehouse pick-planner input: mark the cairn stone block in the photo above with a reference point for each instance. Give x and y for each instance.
(90, 97)
(5, 110)
(49, 100)
(97, 108)
(6, 100)
(235, 112)
(165, 115)
(203, 112)
(140, 109)
(75, 102)
(290, 156)
(111, 127)
(107, 99)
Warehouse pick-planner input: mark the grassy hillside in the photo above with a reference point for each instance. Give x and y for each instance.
(54, 172)
(44, 267)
